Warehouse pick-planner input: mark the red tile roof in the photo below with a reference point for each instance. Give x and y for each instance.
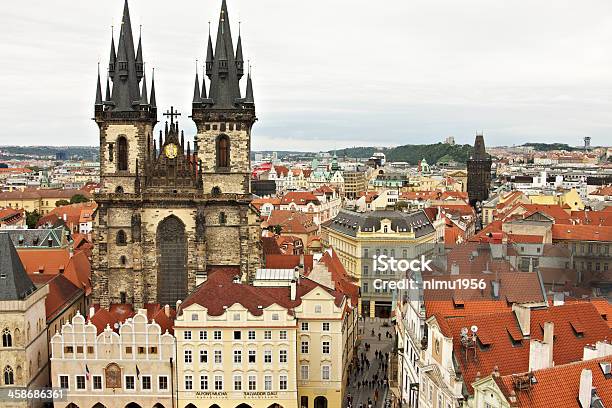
(299, 198)
(289, 262)
(514, 287)
(219, 292)
(344, 283)
(77, 269)
(560, 384)
(497, 348)
(62, 293)
(119, 313)
(562, 232)
(293, 222)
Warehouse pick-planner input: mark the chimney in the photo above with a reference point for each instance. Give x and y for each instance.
(167, 310)
(523, 315)
(71, 252)
(454, 268)
(65, 217)
(541, 352)
(178, 304)
(293, 289)
(586, 385)
(549, 340)
(92, 311)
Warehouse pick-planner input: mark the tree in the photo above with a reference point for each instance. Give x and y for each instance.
(78, 198)
(3, 166)
(32, 218)
(277, 229)
(60, 203)
(402, 205)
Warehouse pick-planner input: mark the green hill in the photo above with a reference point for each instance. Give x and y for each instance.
(547, 147)
(413, 153)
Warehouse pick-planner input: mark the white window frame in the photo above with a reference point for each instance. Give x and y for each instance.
(268, 381)
(304, 369)
(217, 377)
(142, 377)
(323, 370)
(187, 335)
(125, 383)
(190, 376)
(204, 377)
(76, 382)
(159, 377)
(93, 388)
(59, 381)
(239, 378)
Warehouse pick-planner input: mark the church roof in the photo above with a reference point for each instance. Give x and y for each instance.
(14, 282)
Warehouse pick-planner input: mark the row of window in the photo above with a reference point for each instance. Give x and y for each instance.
(216, 383)
(237, 358)
(130, 381)
(128, 350)
(251, 334)
(325, 347)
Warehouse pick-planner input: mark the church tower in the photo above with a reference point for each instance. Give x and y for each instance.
(479, 172)
(224, 120)
(223, 117)
(170, 215)
(126, 116)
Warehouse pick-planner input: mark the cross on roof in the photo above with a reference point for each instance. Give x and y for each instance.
(172, 113)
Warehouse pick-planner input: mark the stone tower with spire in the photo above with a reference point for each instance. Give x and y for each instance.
(167, 217)
(223, 117)
(479, 172)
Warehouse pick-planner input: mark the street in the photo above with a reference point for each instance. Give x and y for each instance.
(361, 394)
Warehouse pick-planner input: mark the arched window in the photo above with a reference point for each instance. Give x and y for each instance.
(111, 152)
(123, 260)
(122, 154)
(121, 238)
(223, 151)
(9, 378)
(7, 340)
(119, 190)
(222, 218)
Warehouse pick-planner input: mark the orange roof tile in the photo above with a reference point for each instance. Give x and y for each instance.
(561, 232)
(560, 384)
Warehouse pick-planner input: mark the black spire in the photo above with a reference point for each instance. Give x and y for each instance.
(239, 58)
(15, 283)
(126, 76)
(196, 89)
(113, 55)
(224, 87)
(152, 99)
(479, 147)
(139, 60)
(209, 55)
(144, 100)
(99, 89)
(249, 89)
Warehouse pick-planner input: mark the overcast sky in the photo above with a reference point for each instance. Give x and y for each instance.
(329, 73)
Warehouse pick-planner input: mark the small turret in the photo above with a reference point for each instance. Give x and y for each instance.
(139, 61)
(113, 55)
(249, 98)
(239, 57)
(209, 55)
(98, 104)
(197, 99)
(153, 101)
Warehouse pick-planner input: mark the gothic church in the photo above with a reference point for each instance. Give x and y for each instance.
(171, 211)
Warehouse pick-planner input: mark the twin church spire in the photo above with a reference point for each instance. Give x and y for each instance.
(128, 93)
(224, 67)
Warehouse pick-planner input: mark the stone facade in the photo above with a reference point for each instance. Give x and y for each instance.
(24, 353)
(167, 214)
(115, 368)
